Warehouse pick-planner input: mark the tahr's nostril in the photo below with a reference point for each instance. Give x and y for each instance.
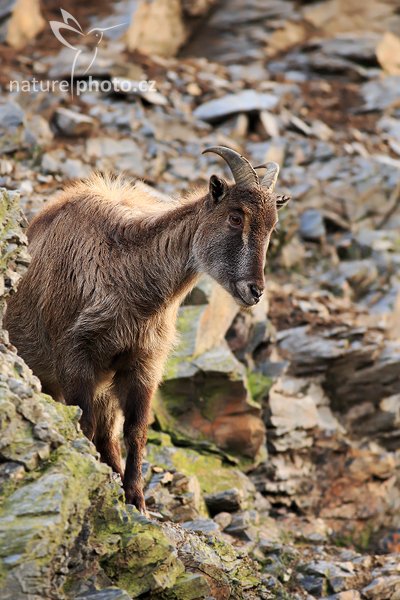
(256, 292)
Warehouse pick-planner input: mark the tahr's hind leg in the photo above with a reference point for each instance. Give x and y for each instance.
(106, 439)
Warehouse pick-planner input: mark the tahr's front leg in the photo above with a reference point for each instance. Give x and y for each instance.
(135, 397)
(76, 377)
(107, 431)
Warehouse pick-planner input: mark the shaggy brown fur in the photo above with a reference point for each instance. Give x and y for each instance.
(94, 317)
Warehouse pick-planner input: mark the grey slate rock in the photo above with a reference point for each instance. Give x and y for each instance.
(201, 526)
(12, 127)
(71, 123)
(245, 101)
(106, 594)
(226, 501)
(312, 225)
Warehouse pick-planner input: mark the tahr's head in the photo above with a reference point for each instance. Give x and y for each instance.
(233, 236)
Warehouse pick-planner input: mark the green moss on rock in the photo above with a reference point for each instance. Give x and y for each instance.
(206, 402)
(213, 474)
(134, 551)
(259, 385)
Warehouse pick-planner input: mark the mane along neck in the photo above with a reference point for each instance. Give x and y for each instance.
(164, 245)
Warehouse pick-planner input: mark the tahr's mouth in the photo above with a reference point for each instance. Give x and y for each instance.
(240, 297)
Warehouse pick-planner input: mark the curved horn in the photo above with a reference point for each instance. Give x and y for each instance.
(269, 180)
(242, 171)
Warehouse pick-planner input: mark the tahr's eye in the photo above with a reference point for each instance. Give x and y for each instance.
(235, 220)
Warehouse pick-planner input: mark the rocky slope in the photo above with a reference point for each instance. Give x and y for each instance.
(65, 531)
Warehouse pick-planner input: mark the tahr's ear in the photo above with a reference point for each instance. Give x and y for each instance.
(281, 201)
(218, 188)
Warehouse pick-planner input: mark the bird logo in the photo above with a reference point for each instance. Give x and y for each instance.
(93, 36)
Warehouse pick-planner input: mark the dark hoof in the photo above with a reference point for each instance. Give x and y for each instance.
(136, 498)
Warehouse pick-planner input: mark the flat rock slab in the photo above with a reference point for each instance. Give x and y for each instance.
(231, 104)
